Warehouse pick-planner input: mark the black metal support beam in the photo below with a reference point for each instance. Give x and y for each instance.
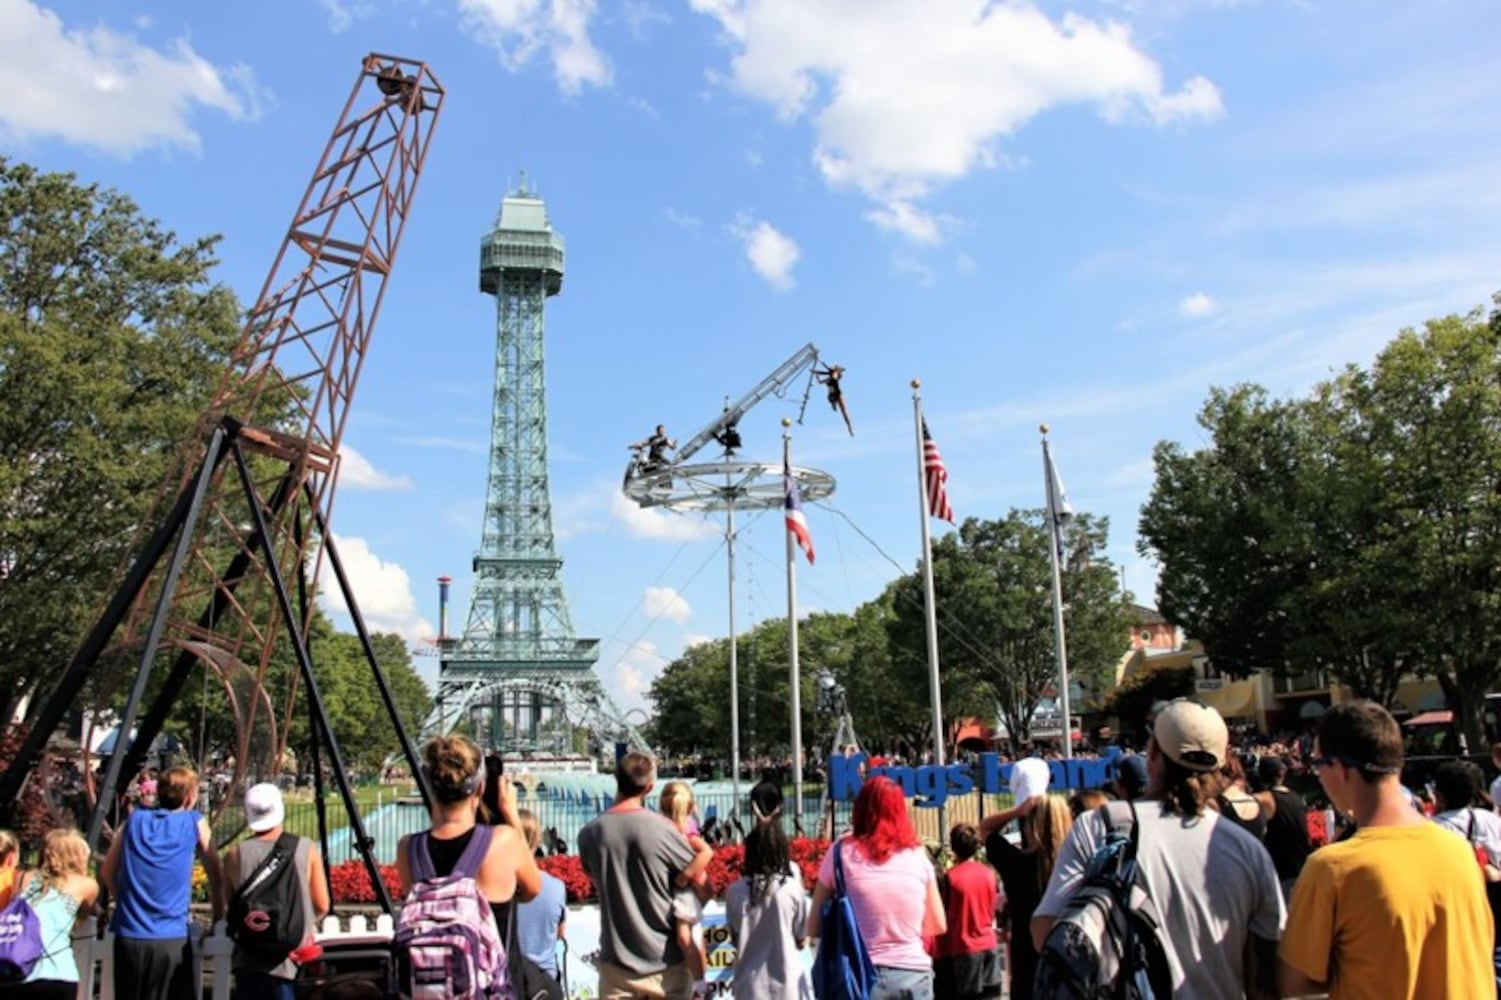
(362, 839)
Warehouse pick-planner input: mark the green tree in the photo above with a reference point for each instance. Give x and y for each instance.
(1223, 525)
(1432, 403)
(992, 583)
(1357, 530)
(691, 697)
(112, 339)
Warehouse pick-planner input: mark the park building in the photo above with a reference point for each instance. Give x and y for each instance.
(1266, 702)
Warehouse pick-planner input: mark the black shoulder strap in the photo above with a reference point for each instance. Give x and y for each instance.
(284, 847)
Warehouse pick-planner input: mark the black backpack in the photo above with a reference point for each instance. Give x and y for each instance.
(1107, 944)
(266, 913)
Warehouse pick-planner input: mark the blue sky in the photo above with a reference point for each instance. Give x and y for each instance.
(1082, 214)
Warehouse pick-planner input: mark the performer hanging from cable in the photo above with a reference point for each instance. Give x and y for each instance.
(830, 377)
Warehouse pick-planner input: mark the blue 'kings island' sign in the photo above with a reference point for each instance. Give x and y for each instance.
(935, 783)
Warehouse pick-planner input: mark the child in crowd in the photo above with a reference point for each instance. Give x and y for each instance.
(967, 967)
(10, 857)
(540, 921)
(768, 914)
(687, 909)
(61, 893)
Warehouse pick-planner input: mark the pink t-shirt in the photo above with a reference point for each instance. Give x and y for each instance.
(889, 901)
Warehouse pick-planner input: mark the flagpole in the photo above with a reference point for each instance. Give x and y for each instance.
(794, 679)
(929, 605)
(729, 543)
(1055, 545)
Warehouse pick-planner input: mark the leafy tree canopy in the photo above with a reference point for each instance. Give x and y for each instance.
(1357, 530)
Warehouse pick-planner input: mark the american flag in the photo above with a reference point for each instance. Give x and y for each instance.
(936, 478)
(796, 522)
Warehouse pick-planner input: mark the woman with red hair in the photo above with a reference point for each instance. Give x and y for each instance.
(893, 889)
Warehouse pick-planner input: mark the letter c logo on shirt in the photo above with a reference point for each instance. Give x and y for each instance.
(258, 921)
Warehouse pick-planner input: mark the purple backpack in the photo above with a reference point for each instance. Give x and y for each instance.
(20, 940)
(446, 944)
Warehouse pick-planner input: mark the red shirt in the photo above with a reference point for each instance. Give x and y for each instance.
(969, 901)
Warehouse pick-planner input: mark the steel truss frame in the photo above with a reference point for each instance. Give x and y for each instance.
(279, 412)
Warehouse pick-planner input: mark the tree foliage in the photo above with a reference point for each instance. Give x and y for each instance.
(1357, 530)
(993, 585)
(112, 339)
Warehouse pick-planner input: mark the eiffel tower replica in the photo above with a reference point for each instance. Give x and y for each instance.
(518, 677)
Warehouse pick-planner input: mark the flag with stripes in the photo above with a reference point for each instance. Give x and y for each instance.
(935, 478)
(796, 522)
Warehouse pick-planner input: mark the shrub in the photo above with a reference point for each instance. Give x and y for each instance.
(351, 882)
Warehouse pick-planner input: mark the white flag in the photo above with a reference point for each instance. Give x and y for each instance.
(1059, 509)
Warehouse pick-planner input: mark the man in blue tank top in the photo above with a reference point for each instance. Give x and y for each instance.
(149, 870)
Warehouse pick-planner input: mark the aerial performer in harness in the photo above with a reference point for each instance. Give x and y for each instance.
(656, 448)
(830, 377)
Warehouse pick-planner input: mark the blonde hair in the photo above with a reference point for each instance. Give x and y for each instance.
(1043, 831)
(10, 848)
(64, 853)
(677, 802)
(531, 827)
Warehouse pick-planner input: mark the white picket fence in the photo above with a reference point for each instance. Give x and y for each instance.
(211, 952)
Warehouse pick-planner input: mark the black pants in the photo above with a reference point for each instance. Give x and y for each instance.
(41, 989)
(154, 969)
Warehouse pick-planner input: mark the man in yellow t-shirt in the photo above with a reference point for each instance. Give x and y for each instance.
(1399, 909)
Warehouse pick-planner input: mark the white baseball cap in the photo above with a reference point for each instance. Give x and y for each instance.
(1029, 778)
(264, 808)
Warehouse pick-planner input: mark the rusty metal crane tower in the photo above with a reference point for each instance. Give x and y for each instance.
(518, 674)
(248, 506)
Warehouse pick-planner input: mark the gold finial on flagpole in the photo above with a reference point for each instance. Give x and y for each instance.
(1043, 428)
(786, 421)
(917, 383)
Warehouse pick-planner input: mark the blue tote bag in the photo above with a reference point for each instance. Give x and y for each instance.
(842, 969)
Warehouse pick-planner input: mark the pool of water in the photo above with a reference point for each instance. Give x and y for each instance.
(563, 804)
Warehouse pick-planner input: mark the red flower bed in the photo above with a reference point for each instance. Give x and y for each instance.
(728, 864)
(351, 882)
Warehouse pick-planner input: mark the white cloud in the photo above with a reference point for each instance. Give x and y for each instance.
(904, 96)
(519, 29)
(342, 14)
(382, 589)
(908, 220)
(665, 602)
(100, 88)
(641, 17)
(1133, 474)
(1198, 305)
(682, 220)
(657, 524)
(771, 252)
(634, 672)
(357, 473)
(691, 639)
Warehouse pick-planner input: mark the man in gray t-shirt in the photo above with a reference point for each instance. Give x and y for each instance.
(1214, 884)
(636, 858)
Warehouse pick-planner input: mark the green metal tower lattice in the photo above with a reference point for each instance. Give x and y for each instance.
(518, 673)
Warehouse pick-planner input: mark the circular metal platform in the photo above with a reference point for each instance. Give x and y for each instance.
(710, 486)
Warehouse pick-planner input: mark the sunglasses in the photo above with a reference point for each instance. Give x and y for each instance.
(1360, 765)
